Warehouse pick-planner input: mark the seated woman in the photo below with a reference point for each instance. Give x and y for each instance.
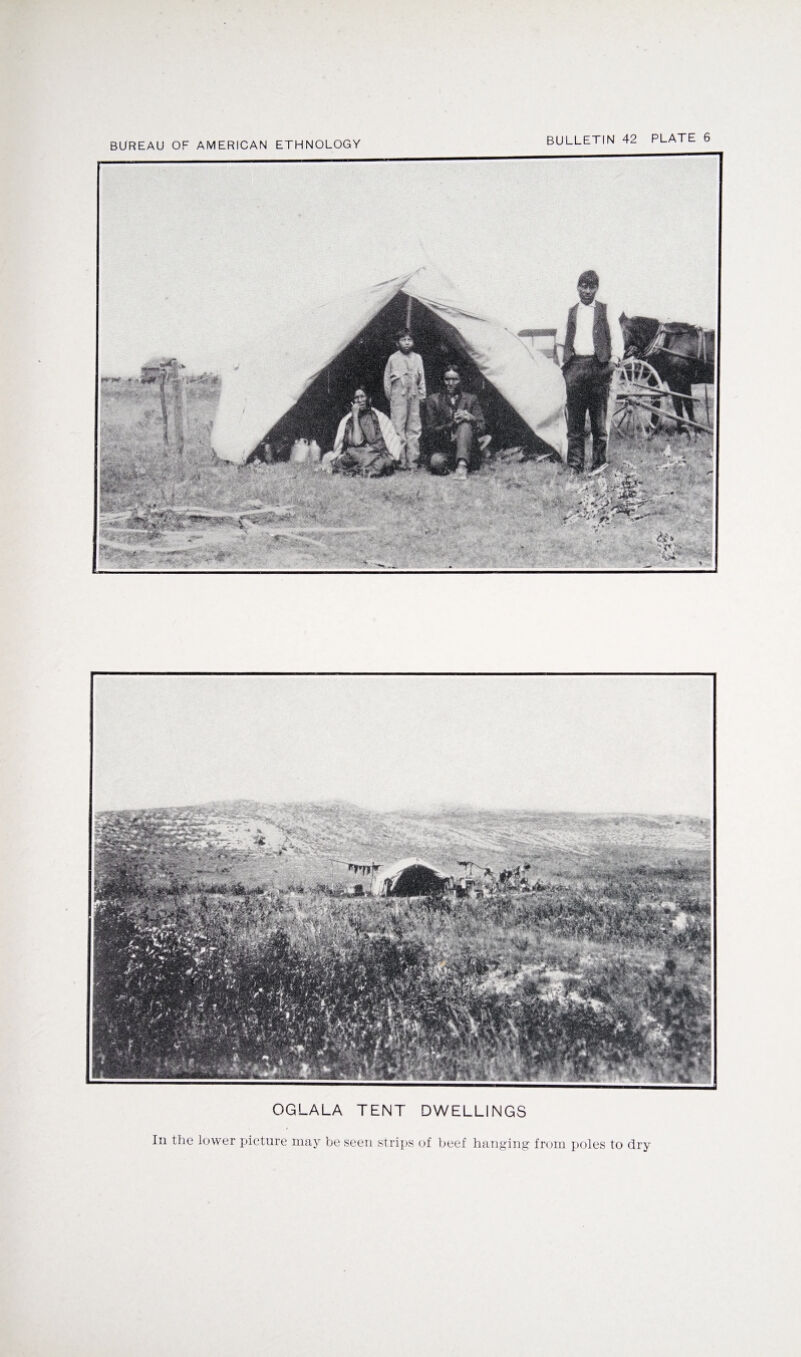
(366, 444)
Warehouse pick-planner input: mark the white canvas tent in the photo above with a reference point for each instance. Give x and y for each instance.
(262, 384)
(409, 876)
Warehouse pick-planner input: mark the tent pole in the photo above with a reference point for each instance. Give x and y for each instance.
(408, 313)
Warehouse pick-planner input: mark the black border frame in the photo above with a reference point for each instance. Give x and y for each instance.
(392, 1084)
(389, 160)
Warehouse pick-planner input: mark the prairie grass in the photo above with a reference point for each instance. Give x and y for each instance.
(511, 515)
(572, 983)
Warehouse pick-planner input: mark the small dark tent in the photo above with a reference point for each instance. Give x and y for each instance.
(409, 876)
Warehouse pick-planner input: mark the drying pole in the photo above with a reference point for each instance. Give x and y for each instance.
(357, 866)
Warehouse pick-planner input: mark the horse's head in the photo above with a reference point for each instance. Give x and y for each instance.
(638, 331)
(628, 330)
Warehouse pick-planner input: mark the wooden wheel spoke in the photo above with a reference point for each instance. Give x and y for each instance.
(638, 399)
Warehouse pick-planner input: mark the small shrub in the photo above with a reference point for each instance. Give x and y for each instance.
(627, 488)
(594, 503)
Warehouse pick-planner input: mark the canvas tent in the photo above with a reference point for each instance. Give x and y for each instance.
(410, 876)
(299, 379)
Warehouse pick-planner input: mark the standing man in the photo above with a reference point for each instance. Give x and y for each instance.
(454, 426)
(593, 348)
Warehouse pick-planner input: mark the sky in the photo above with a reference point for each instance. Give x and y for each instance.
(199, 260)
(625, 743)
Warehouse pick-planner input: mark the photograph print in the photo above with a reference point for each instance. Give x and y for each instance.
(410, 365)
(412, 879)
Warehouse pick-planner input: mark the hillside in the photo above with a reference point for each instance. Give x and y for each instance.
(285, 842)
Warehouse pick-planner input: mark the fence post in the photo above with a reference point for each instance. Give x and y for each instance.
(165, 421)
(178, 406)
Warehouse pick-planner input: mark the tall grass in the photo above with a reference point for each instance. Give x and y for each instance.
(511, 515)
(291, 987)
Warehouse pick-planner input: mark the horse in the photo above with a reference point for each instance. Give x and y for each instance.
(681, 354)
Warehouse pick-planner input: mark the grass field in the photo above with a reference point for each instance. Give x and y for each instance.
(652, 511)
(605, 979)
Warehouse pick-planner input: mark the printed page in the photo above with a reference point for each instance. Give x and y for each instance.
(399, 890)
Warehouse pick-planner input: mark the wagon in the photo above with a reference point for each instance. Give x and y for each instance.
(638, 393)
(663, 361)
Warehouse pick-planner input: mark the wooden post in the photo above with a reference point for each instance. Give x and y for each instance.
(408, 321)
(178, 406)
(162, 380)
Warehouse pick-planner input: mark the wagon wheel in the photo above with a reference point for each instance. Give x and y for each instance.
(638, 400)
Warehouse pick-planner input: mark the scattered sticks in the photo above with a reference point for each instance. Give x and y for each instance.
(168, 536)
(149, 546)
(195, 511)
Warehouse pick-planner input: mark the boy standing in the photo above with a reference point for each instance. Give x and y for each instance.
(404, 388)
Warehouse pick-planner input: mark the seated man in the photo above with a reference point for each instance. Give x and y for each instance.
(366, 444)
(454, 428)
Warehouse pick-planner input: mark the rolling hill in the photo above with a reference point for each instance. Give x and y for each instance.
(307, 842)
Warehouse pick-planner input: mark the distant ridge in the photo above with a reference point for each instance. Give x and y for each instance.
(253, 838)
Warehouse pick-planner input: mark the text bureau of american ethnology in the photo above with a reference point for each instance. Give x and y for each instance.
(241, 144)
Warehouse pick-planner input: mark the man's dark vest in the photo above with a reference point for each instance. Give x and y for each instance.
(600, 334)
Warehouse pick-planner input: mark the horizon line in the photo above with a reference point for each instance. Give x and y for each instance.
(439, 807)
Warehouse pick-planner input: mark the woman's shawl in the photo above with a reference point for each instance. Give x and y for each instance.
(388, 434)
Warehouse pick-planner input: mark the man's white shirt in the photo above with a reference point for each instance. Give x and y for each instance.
(583, 344)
